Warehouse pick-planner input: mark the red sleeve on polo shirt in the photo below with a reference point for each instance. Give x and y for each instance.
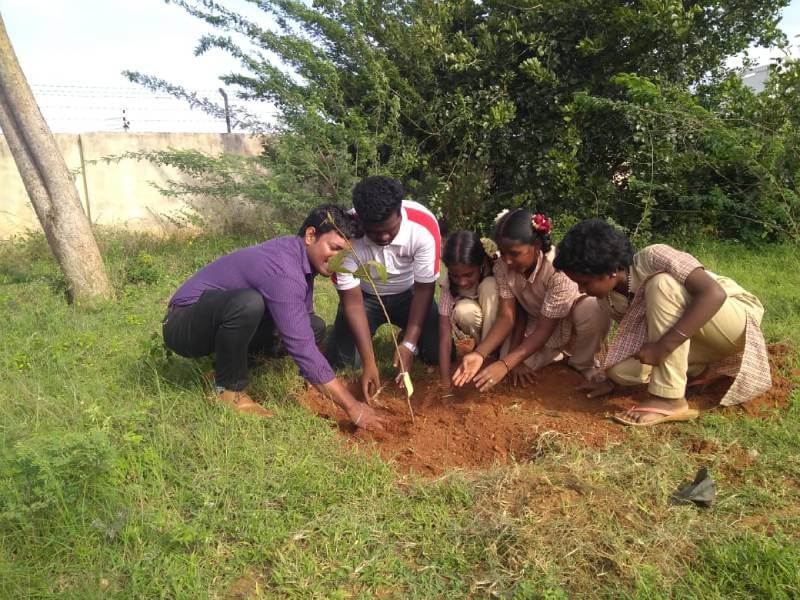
(428, 253)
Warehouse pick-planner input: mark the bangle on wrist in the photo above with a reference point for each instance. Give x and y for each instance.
(680, 333)
(479, 354)
(505, 364)
(358, 418)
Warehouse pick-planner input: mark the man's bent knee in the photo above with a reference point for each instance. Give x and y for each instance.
(467, 315)
(318, 327)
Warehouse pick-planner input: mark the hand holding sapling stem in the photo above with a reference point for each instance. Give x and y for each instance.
(403, 359)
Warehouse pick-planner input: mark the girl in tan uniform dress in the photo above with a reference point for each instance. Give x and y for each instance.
(468, 297)
(541, 316)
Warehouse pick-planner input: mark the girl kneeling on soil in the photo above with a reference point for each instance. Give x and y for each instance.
(540, 308)
(675, 320)
(468, 298)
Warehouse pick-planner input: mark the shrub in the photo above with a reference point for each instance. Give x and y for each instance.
(483, 105)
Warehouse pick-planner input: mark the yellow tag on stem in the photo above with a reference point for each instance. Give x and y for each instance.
(407, 384)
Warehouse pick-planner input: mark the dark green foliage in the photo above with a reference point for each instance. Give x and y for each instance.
(723, 161)
(478, 106)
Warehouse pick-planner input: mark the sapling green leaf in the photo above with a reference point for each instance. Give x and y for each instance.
(363, 272)
(336, 264)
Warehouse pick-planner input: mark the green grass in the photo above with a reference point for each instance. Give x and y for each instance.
(119, 479)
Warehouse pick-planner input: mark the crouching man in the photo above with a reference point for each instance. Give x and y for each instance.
(233, 307)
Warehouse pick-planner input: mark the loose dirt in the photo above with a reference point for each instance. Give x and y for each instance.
(473, 431)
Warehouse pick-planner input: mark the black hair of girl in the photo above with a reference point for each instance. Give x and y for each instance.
(516, 226)
(593, 247)
(464, 248)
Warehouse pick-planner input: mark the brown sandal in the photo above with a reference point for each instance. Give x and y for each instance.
(684, 414)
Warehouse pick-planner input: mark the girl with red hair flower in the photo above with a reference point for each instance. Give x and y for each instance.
(542, 316)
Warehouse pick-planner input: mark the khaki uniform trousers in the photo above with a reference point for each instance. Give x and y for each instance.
(590, 324)
(722, 336)
(476, 317)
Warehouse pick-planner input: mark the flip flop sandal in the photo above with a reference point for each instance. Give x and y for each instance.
(686, 414)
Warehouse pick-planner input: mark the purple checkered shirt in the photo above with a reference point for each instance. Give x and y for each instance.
(279, 270)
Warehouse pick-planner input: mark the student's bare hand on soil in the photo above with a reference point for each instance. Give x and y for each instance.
(470, 365)
(491, 376)
(522, 375)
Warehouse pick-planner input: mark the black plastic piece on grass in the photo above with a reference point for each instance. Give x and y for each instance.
(700, 492)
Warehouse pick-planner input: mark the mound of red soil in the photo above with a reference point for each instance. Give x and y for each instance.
(473, 430)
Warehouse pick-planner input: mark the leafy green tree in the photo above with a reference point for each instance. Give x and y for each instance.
(723, 160)
(476, 105)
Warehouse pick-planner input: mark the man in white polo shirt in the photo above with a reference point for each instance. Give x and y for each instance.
(404, 237)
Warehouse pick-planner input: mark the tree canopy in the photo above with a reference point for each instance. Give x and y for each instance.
(575, 107)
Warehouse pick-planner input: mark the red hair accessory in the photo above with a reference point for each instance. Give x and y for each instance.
(541, 223)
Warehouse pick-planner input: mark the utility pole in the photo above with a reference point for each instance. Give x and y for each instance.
(47, 179)
(227, 109)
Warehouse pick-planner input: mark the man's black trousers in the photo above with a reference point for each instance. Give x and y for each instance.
(231, 324)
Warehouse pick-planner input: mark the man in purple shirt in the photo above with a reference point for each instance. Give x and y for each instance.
(233, 307)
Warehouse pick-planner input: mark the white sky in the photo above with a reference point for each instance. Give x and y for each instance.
(73, 52)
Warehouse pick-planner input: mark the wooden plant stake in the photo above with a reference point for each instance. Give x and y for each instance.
(363, 272)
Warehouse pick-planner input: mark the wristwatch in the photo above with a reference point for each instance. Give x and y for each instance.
(414, 350)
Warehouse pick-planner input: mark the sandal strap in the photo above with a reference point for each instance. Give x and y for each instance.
(658, 411)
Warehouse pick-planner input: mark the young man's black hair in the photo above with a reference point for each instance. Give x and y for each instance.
(377, 197)
(330, 217)
(593, 247)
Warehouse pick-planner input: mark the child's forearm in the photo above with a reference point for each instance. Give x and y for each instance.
(520, 323)
(533, 343)
(445, 344)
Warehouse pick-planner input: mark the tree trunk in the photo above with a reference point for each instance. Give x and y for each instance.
(47, 179)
